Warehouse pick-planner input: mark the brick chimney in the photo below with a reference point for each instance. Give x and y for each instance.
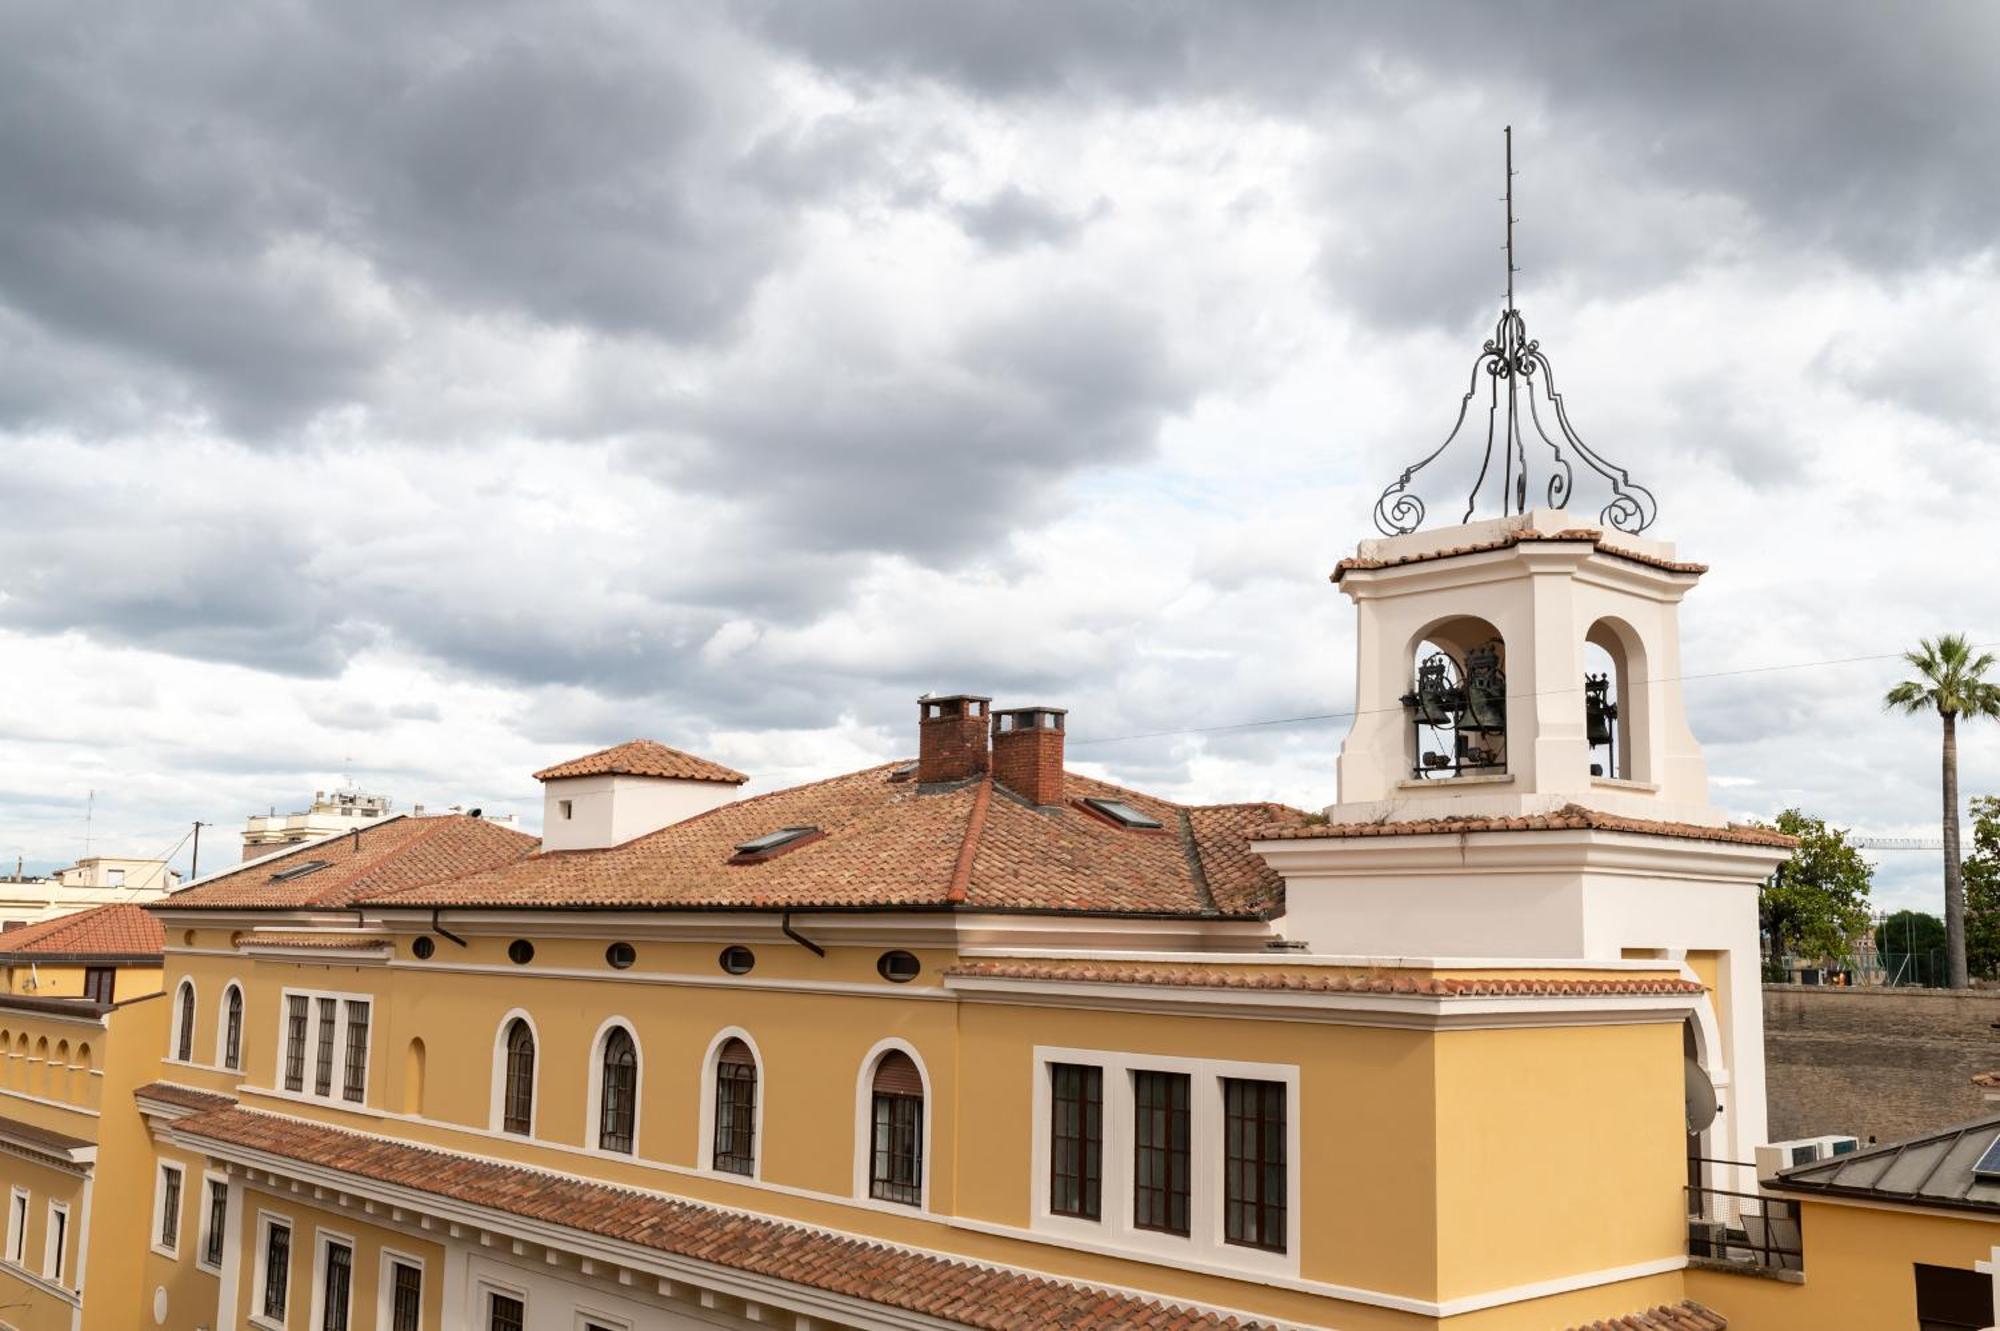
(951, 737)
(1028, 752)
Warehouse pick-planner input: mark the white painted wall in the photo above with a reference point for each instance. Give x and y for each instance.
(611, 810)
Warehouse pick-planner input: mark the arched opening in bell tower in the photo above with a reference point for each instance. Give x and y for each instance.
(1614, 671)
(1457, 703)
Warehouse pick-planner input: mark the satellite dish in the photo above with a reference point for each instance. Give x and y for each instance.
(1701, 1105)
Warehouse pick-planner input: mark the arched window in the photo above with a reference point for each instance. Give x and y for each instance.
(232, 1028)
(184, 1023)
(618, 1091)
(1617, 729)
(517, 1100)
(736, 1108)
(1457, 703)
(896, 1131)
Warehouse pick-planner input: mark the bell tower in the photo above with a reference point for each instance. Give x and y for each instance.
(1519, 785)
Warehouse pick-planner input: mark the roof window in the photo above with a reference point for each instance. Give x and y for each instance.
(1121, 813)
(771, 843)
(299, 870)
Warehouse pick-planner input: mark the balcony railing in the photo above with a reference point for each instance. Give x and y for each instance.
(1744, 1229)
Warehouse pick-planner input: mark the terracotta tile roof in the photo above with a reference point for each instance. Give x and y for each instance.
(1571, 817)
(891, 844)
(1689, 1316)
(960, 1292)
(330, 939)
(1311, 979)
(102, 932)
(643, 757)
(397, 852)
(41, 1139)
(1592, 535)
(187, 1097)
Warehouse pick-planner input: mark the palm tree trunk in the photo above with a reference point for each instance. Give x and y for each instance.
(1954, 879)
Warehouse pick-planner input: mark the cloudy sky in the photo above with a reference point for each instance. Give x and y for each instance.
(429, 392)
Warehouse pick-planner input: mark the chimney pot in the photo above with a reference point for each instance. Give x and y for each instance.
(1028, 752)
(951, 737)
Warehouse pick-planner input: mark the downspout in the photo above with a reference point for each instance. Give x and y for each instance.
(785, 927)
(438, 928)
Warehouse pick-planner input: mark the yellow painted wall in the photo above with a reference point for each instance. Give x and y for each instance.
(63, 980)
(310, 1226)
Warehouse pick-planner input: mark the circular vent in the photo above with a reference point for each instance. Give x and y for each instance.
(738, 960)
(423, 949)
(520, 952)
(620, 955)
(898, 967)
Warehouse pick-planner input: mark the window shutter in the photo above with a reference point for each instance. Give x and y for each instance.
(897, 1075)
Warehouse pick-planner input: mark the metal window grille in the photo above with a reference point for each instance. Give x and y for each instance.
(517, 1108)
(170, 1207)
(505, 1314)
(323, 1058)
(339, 1287)
(218, 1221)
(896, 1173)
(1076, 1140)
(295, 1043)
(407, 1298)
(1253, 1173)
(232, 1030)
(620, 1093)
(354, 1081)
(184, 1043)
(736, 1109)
(277, 1270)
(1160, 1151)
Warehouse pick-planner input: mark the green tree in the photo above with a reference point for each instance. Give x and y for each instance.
(1951, 682)
(1912, 947)
(1982, 889)
(1818, 899)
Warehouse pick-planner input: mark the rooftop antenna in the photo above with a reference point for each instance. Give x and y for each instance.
(1511, 356)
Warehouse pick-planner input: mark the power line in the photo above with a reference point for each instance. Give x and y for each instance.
(1311, 718)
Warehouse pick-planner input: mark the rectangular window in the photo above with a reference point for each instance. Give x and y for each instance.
(218, 1222)
(170, 1208)
(277, 1270)
(896, 1173)
(338, 1289)
(406, 1298)
(505, 1313)
(17, 1230)
(323, 1056)
(1160, 1151)
(736, 1117)
(354, 1081)
(1951, 1299)
(295, 1042)
(1253, 1163)
(98, 982)
(1076, 1140)
(58, 1240)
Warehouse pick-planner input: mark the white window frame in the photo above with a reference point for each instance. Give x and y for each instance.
(203, 1227)
(705, 1146)
(322, 1240)
(482, 1301)
(20, 1203)
(586, 1319)
(497, 1107)
(55, 1241)
(266, 1221)
(1113, 1231)
(594, 1107)
(341, 999)
(184, 1013)
(864, 1127)
(386, 1262)
(171, 1251)
(222, 1028)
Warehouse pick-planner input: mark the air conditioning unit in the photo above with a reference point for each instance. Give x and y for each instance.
(1778, 1156)
(1708, 1238)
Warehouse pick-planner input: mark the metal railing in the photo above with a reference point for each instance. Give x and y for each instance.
(1745, 1229)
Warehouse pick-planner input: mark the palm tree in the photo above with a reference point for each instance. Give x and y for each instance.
(1951, 681)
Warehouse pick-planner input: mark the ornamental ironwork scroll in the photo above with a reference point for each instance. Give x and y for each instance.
(1515, 367)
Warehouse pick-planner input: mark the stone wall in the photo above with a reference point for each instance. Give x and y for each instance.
(1877, 1062)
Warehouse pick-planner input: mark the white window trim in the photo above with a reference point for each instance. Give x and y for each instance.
(171, 1251)
(586, 1318)
(266, 1221)
(55, 1244)
(203, 1230)
(20, 1203)
(222, 1027)
(594, 1123)
(705, 1145)
(864, 1125)
(333, 1095)
(497, 1110)
(386, 1262)
(482, 1301)
(322, 1240)
(1114, 1231)
(184, 1013)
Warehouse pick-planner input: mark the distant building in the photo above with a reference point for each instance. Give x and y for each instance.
(98, 880)
(335, 811)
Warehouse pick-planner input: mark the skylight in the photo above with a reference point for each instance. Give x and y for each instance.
(770, 841)
(1988, 1167)
(299, 870)
(1121, 813)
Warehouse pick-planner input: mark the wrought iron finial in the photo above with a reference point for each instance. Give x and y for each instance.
(1512, 358)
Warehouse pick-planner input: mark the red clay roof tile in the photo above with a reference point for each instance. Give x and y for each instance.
(1571, 817)
(121, 930)
(644, 757)
(1688, 1316)
(1311, 979)
(397, 852)
(1594, 536)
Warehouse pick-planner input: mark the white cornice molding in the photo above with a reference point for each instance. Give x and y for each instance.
(1493, 851)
